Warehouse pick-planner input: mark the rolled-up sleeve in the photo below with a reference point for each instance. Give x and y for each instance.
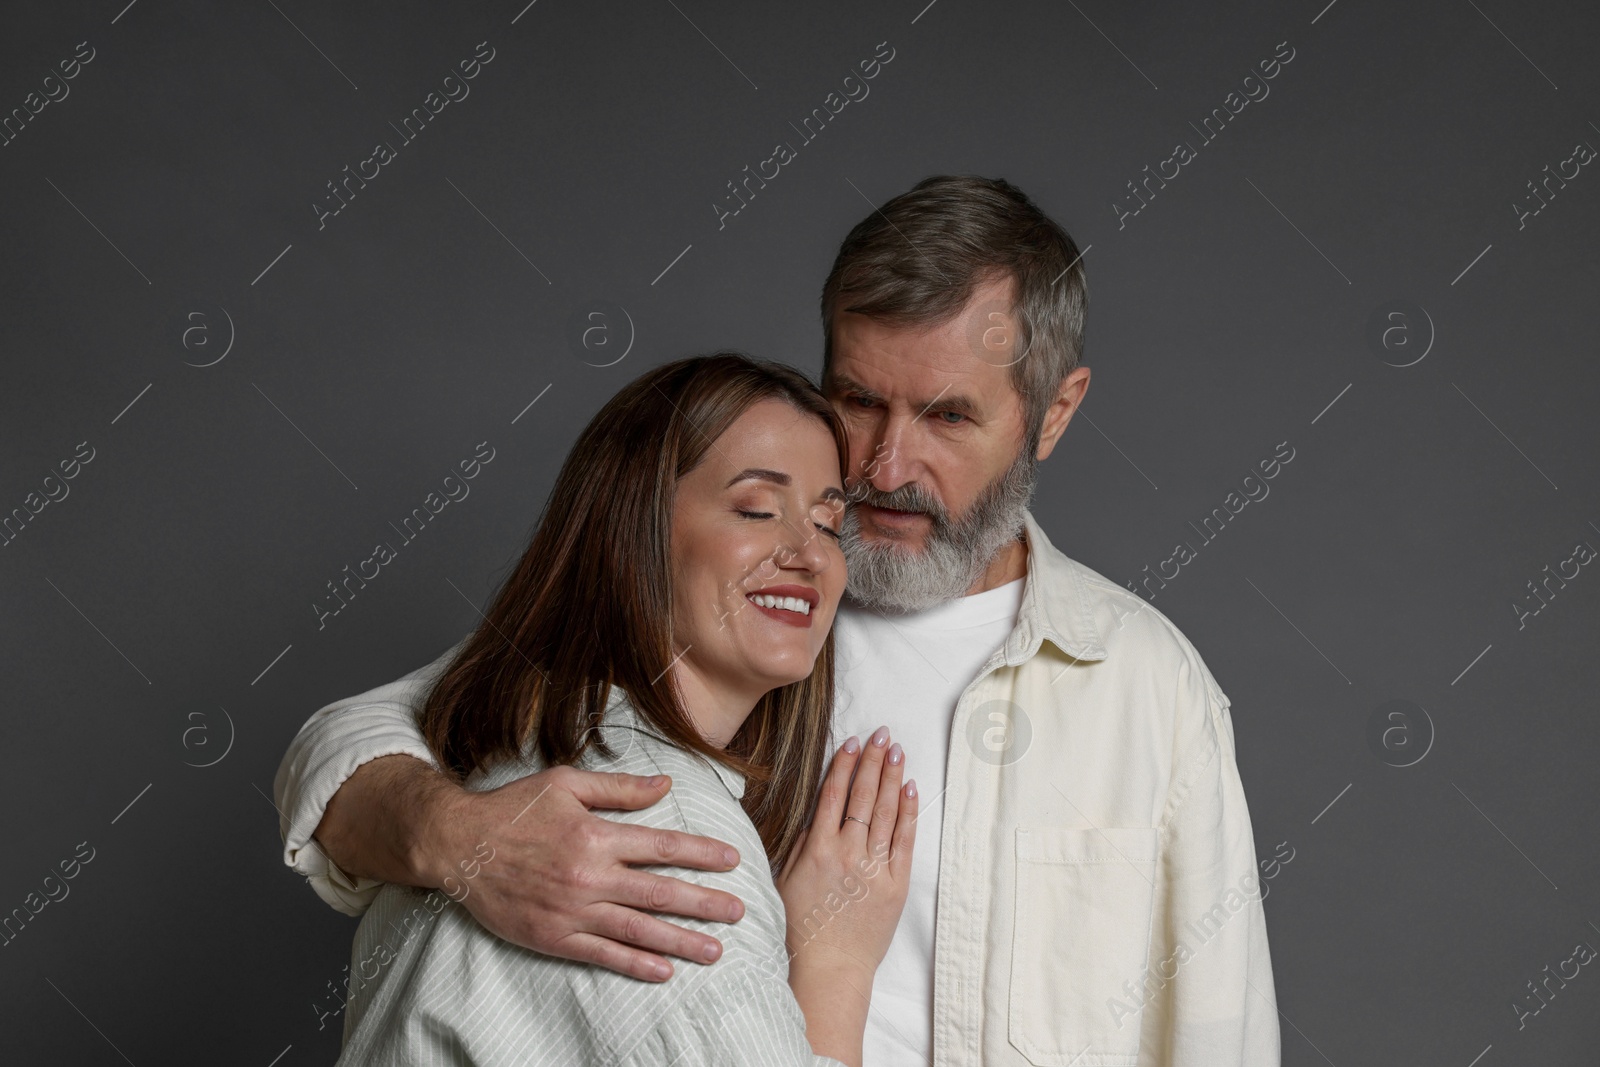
(1211, 996)
(326, 751)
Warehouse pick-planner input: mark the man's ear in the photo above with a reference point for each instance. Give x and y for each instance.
(1068, 396)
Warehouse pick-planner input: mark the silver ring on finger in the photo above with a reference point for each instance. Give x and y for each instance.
(863, 822)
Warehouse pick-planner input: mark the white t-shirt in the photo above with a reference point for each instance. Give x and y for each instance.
(908, 672)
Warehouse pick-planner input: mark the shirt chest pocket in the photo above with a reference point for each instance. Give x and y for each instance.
(1084, 903)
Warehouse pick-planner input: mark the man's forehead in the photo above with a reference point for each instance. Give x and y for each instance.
(974, 339)
(892, 363)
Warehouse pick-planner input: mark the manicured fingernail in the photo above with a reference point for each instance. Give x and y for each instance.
(663, 971)
(730, 857)
(880, 736)
(852, 745)
(655, 780)
(896, 754)
(713, 950)
(911, 788)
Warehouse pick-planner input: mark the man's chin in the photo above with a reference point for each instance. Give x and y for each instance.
(901, 545)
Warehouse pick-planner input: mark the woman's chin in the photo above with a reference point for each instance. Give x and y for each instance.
(778, 673)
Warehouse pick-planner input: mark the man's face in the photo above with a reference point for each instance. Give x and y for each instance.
(936, 474)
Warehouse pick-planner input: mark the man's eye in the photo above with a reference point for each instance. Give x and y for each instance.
(861, 401)
(952, 418)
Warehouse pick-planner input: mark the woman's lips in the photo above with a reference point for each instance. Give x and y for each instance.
(783, 615)
(791, 618)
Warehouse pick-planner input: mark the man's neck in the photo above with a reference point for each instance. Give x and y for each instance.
(1009, 564)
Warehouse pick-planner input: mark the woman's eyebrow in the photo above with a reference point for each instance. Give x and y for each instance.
(760, 474)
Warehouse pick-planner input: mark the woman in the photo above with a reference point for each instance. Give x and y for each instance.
(671, 615)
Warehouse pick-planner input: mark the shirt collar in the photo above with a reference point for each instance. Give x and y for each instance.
(621, 713)
(1055, 604)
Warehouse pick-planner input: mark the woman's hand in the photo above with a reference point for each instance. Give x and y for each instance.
(844, 887)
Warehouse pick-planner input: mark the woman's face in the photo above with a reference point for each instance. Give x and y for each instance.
(758, 519)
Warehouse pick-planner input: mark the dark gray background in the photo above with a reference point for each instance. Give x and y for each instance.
(143, 611)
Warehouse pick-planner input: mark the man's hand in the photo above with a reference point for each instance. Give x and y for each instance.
(559, 881)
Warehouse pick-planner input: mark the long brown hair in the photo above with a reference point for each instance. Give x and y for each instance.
(589, 604)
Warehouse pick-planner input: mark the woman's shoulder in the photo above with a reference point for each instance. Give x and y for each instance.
(704, 797)
(623, 741)
(705, 794)
(442, 969)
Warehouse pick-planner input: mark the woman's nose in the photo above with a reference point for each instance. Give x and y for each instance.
(802, 549)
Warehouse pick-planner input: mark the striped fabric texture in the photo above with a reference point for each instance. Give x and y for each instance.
(429, 986)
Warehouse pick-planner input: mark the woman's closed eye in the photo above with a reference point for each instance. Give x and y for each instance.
(830, 531)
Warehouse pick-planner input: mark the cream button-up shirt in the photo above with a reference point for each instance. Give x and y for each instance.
(1099, 902)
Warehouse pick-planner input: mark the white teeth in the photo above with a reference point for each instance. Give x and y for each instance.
(787, 603)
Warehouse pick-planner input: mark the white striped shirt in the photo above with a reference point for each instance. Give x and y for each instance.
(430, 986)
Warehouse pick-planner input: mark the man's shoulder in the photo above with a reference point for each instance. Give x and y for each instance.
(1131, 628)
(1145, 647)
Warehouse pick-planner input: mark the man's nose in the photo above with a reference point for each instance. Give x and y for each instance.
(888, 465)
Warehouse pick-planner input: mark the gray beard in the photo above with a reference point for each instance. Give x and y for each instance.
(890, 577)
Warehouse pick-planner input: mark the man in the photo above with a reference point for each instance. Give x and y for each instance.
(1084, 889)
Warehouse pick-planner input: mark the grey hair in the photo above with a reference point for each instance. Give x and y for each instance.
(917, 260)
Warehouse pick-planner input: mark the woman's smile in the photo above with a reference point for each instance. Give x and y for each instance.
(789, 604)
(758, 570)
